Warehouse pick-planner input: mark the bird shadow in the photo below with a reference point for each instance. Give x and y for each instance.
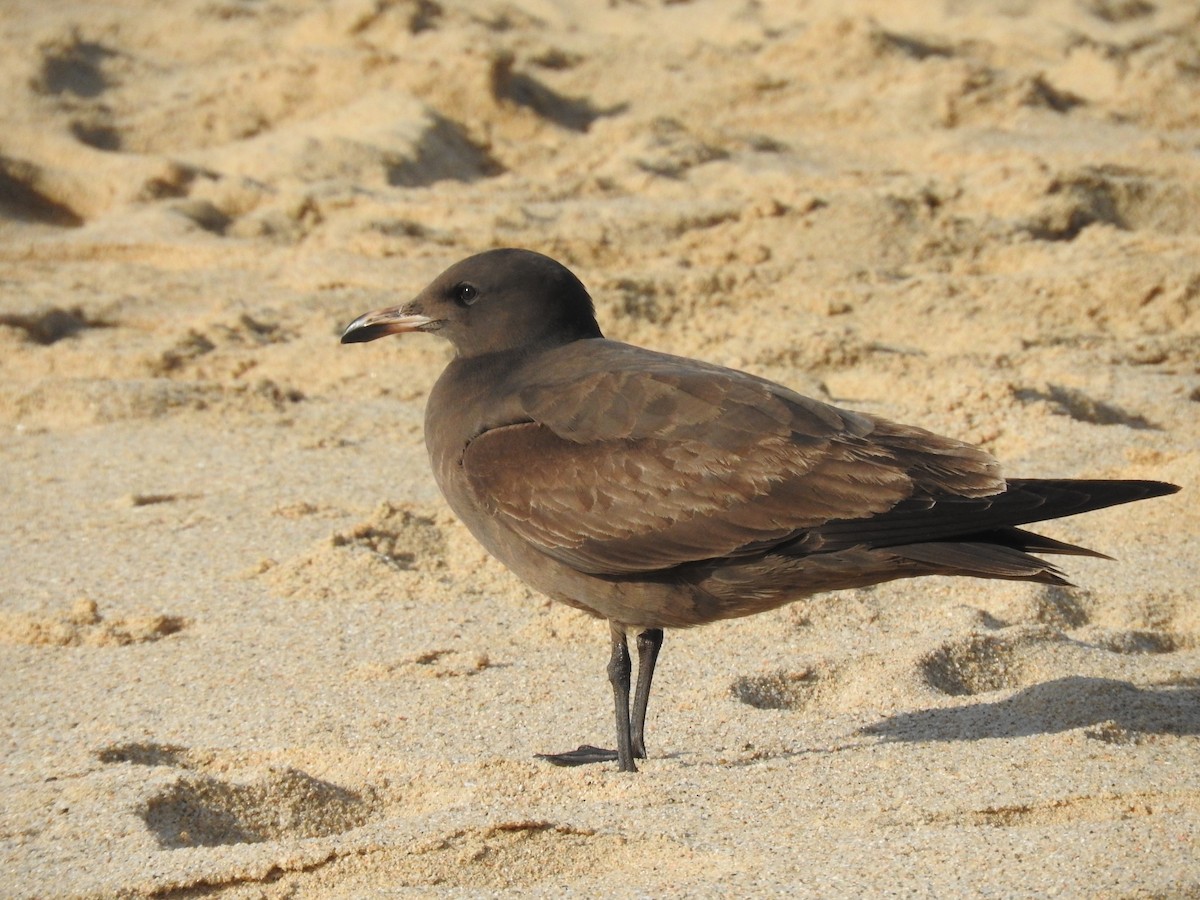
(1123, 709)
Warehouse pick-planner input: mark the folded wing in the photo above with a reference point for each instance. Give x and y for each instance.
(641, 462)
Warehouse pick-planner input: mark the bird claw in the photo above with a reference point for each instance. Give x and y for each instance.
(581, 756)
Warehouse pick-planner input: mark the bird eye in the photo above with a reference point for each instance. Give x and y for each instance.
(465, 294)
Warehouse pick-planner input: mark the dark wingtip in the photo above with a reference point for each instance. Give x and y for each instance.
(1119, 491)
(1141, 490)
(1070, 496)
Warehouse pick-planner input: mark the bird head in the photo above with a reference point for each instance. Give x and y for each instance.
(499, 300)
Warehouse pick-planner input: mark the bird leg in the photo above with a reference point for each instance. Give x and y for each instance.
(649, 642)
(619, 668)
(630, 732)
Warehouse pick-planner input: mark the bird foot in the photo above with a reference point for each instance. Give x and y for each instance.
(581, 756)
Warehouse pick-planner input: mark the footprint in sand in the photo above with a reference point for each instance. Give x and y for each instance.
(783, 689)
(84, 626)
(201, 809)
(398, 550)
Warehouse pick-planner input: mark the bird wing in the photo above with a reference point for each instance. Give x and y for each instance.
(655, 461)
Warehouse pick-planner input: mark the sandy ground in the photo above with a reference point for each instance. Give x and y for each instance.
(247, 652)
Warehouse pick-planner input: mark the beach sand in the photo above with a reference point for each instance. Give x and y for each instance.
(248, 652)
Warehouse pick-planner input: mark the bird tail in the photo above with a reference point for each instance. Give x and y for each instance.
(981, 560)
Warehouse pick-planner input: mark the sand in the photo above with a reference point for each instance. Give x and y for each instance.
(247, 651)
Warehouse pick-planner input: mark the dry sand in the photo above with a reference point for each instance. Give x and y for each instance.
(246, 651)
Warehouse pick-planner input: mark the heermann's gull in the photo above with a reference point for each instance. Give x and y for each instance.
(659, 492)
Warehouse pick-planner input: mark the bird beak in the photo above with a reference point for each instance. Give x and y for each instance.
(381, 322)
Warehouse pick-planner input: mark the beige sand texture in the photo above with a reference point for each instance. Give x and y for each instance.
(247, 651)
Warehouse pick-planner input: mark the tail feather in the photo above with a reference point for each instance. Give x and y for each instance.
(980, 560)
(1028, 541)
